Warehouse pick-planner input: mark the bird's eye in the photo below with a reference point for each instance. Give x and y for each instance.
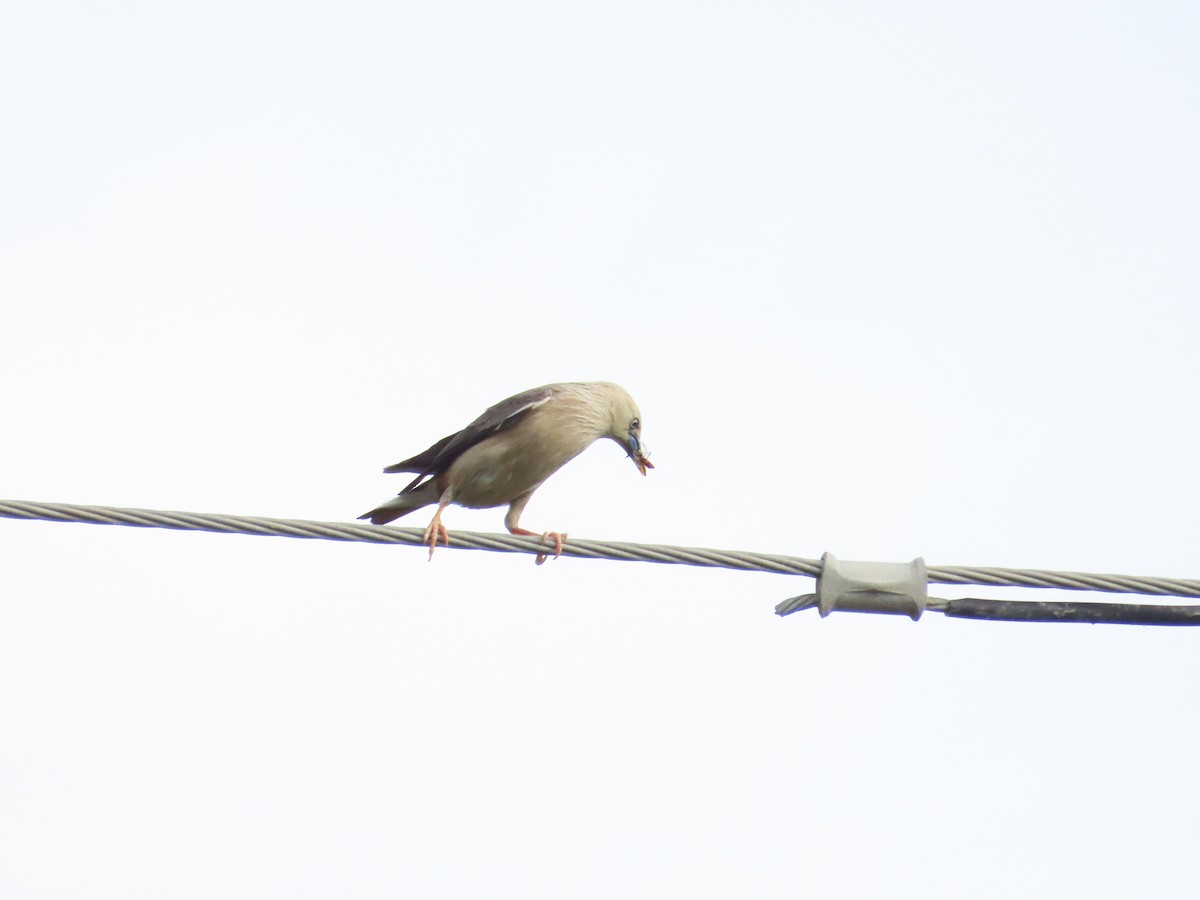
(634, 425)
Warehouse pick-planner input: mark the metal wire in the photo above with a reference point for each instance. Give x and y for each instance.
(994, 610)
(1091, 613)
(612, 550)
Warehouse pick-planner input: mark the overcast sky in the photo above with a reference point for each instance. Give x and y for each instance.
(886, 281)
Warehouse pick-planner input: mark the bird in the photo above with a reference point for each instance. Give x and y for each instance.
(510, 450)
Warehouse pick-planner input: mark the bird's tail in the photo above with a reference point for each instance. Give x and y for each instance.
(403, 504)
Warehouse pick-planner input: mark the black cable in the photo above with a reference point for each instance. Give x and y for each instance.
(1069, 611)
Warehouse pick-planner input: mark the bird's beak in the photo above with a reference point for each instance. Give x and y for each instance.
(637, 454)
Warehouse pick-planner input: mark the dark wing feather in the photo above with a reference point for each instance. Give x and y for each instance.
(501, 417)
(422, 460)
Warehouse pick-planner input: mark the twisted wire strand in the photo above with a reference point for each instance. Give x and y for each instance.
(585, 549)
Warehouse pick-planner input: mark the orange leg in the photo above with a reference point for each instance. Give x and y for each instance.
(559, 540)
(436, 529)
(514, 516)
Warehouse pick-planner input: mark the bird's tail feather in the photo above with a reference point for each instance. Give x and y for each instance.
(403, 504)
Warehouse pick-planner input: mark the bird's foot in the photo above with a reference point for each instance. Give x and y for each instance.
(433, 533)
(559, 539)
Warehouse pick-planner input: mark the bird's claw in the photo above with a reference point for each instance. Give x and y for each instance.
(559, 539)
(435, 531)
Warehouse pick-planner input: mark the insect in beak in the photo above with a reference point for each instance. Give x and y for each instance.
(638, 457)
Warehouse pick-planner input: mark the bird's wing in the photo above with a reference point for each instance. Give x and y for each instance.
(501, 417)
(422, 460)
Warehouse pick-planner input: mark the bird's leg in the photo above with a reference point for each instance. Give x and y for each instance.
(514, 515)
(559, 539)
(436, 529)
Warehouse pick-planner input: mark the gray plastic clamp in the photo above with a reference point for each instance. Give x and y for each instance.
(900, 589)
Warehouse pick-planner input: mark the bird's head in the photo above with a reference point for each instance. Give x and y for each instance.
(625, 427)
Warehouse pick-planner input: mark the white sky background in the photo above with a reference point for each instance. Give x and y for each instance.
(885, 282)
